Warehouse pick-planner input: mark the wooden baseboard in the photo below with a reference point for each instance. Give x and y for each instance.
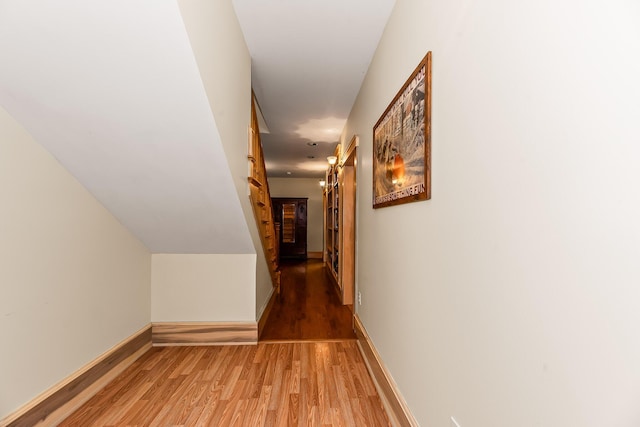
(60, 401)
(204, 333)
(314, 255)
(397, 409)
(265, 313)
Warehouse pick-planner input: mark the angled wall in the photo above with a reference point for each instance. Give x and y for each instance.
(225, 70)
(114, 92)
(510, 298)
(73, 282)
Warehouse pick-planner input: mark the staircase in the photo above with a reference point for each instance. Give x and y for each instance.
(261, 200)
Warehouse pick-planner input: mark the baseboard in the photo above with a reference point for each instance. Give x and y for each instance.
(61, 400)
(397, 409)
(265, 313)
(314, 255)
(204, 333)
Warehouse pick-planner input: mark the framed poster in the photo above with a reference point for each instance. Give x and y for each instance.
(402, 143)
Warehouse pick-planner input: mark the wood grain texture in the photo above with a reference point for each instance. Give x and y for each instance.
(296, 384)
(394, 403)
(348, 225)
(339, 206)
(308, 308)
(64, 398)
(261, 198)
(204, 333)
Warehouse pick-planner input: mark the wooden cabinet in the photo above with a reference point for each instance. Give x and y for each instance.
(339, 223)
(290, 214)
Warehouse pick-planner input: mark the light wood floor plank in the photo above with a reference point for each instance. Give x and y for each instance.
(272, 384)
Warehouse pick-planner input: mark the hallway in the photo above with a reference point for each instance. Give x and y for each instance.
(306, 370)
(308, 307)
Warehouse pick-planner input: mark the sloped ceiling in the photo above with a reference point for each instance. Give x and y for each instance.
(112, 90)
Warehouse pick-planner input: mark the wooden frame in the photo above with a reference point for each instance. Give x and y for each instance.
(348, 222)
(339, 202)
(402, 143)
(261, 199)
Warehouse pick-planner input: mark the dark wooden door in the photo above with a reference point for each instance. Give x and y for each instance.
(291, 214)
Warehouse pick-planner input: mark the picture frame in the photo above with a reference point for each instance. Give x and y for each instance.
(402, 143)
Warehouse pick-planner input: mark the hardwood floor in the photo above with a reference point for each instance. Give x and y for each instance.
(309, 307)
(306, 383)
(271, 384)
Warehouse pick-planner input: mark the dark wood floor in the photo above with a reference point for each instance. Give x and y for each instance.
(308, 307)
(271, 384)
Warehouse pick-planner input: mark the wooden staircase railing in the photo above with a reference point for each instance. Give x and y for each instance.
(261, 199)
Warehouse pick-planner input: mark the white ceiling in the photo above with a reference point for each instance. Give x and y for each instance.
(112, 90)
(309, 58)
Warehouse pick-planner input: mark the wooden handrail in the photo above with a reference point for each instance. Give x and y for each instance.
(261, 199)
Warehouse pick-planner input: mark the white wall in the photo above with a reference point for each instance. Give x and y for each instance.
(304, 187)
(205, 288)
(225, 69)
(511, 298)
(73, 281)
(113, 91)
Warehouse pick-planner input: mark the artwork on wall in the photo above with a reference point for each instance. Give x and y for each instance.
(402, 143)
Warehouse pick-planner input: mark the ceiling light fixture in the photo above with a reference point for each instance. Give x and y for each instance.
(332, 160)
